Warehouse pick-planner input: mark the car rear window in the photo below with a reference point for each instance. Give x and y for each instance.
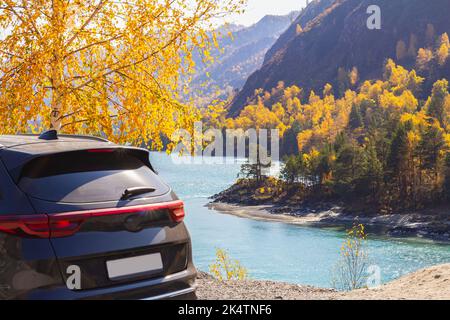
(87, 176)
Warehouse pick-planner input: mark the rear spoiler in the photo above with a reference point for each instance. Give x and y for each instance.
(15, 160)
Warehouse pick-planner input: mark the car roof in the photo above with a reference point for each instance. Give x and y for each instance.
(32, 141)
(16, 150)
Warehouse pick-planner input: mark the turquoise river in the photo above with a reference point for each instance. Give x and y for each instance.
(272, 250)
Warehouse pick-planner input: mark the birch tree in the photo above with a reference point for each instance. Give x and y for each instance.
(102, 66)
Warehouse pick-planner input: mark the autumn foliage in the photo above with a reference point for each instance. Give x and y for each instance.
(381, 146)
(102, 67)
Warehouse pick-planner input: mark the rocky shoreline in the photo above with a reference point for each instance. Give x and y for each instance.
(430, 284)
(431, 224)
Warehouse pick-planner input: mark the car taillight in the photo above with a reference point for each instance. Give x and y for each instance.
(66, 224)
(26, 226)
(177, 214)
(39, 226)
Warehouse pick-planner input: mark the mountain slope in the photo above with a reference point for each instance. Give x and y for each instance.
(241, 55)
(339, 38)
(314, 9)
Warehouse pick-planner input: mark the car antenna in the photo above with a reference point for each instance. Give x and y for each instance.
(49, 135)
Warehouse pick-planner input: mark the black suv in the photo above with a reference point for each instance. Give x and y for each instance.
(83, 218)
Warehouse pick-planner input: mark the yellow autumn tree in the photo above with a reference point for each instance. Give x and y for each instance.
(424, 57)
(444, 49)
(214, 115)
(102, 67)
(303, 139)
(354, 76)
(258, 117)
(401, 79)
(447, 113)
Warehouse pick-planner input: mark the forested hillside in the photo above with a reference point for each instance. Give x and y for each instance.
(337, 48)
(381, 146)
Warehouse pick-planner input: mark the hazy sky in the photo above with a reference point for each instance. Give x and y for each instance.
(256, 9)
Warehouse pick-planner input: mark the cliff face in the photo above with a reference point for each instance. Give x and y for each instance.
(339, 38)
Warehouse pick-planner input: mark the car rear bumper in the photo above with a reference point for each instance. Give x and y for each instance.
(180, 285)
(180, 294)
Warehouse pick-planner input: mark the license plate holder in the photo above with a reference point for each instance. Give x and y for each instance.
(134, 266)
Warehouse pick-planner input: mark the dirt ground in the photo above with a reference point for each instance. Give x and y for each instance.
(430, 283)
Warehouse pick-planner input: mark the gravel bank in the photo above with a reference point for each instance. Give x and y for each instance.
(430, 283)
(211, 289)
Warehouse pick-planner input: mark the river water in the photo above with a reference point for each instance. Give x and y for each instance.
(273, 250)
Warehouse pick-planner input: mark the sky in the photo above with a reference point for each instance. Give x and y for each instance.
(256, 9)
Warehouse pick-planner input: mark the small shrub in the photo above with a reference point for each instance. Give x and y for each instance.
(350, 270)
(227, 269)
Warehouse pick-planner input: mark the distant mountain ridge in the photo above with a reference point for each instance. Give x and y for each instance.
(241, 54)
(337, 37)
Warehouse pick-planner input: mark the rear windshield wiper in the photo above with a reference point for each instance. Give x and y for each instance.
(131, 192)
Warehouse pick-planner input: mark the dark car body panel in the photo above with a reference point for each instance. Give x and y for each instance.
(32, 268)
(26, 265)
(180, 286)
(12, 200)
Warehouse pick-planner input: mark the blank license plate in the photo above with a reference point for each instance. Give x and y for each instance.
(134, 265)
